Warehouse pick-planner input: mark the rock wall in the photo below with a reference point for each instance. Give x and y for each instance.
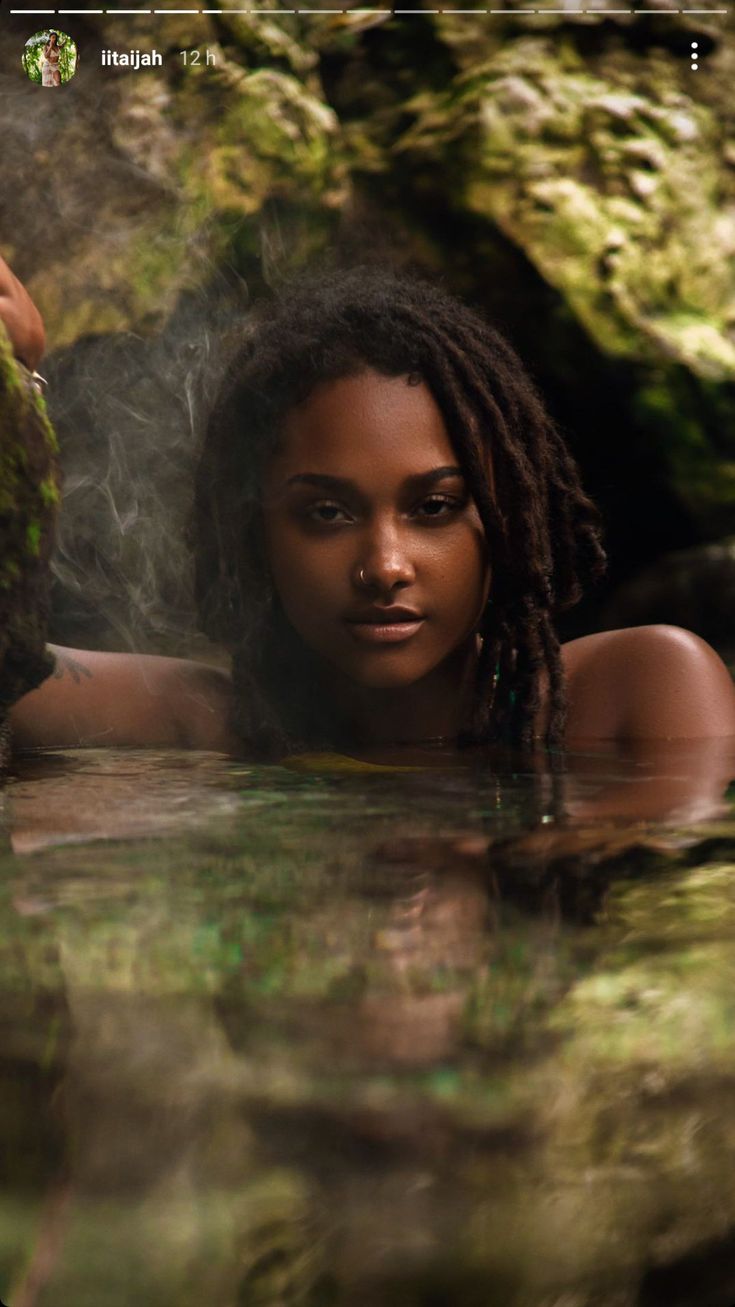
(569, 173)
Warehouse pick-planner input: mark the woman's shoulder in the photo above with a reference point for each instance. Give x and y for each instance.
(647, 682)
(138, 700)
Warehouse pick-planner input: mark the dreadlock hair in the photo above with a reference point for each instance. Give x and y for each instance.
(542, 530)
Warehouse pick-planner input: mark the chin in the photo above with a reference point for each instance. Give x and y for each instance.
(384, 678)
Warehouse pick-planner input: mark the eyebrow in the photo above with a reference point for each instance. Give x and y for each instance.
(341, 483)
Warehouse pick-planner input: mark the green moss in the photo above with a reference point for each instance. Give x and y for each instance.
(28, 501)
(49, 491)
(33, 537)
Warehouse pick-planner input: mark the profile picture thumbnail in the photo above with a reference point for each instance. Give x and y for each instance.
(50, 57)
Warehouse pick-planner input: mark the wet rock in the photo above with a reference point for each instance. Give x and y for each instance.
(29, 495)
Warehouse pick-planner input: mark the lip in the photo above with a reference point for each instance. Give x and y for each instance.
(385, 616)
(388, 633)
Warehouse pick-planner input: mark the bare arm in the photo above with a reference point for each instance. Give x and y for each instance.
(110, 699)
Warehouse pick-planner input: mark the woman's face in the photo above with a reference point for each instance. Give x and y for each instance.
(369, 445)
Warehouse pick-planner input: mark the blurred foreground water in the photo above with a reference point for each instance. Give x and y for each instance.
(321, 1034)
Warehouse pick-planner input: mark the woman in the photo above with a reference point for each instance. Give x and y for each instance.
(379, 458)
(50, 75)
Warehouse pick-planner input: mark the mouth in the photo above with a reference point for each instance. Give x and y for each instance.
(385, 632)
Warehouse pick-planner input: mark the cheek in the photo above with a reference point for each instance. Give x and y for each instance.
(303, 578)
(473, 566)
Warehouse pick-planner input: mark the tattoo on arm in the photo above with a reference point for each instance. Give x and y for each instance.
(75, 669)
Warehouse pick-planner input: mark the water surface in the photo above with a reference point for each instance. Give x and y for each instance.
(335, 1032)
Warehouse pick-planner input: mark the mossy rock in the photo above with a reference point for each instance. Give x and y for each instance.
(612, 180)
(29, 498)
(198, 155)
(567, 174)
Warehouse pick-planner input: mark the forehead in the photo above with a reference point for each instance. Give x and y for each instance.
(363, 426)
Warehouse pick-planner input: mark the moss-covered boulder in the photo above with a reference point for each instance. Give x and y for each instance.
(29, 495)
(613, 179)
(206, 161)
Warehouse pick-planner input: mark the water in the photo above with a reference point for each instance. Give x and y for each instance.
(319, 1034)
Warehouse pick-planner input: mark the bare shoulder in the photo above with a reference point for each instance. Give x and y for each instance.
(647, 682)
(138, 700)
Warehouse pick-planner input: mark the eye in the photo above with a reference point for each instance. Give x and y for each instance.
(452, 505)
(321, 508)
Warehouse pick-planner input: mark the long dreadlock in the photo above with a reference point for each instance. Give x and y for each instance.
(542, 530)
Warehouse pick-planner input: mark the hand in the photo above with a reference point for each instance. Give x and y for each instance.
(21, 318)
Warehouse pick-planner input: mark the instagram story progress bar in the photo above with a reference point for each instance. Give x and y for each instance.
(567, 12)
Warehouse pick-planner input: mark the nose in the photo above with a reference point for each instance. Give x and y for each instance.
(384, 562)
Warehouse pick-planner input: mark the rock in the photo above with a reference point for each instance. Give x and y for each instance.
(567, 173)
(564, 159)
(694, 588)
(29, 496)
(194, 155)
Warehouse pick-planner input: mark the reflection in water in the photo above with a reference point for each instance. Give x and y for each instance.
(332, 1036)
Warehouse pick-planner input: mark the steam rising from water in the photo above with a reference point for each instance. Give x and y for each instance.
(95, 184)
(129, 412)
